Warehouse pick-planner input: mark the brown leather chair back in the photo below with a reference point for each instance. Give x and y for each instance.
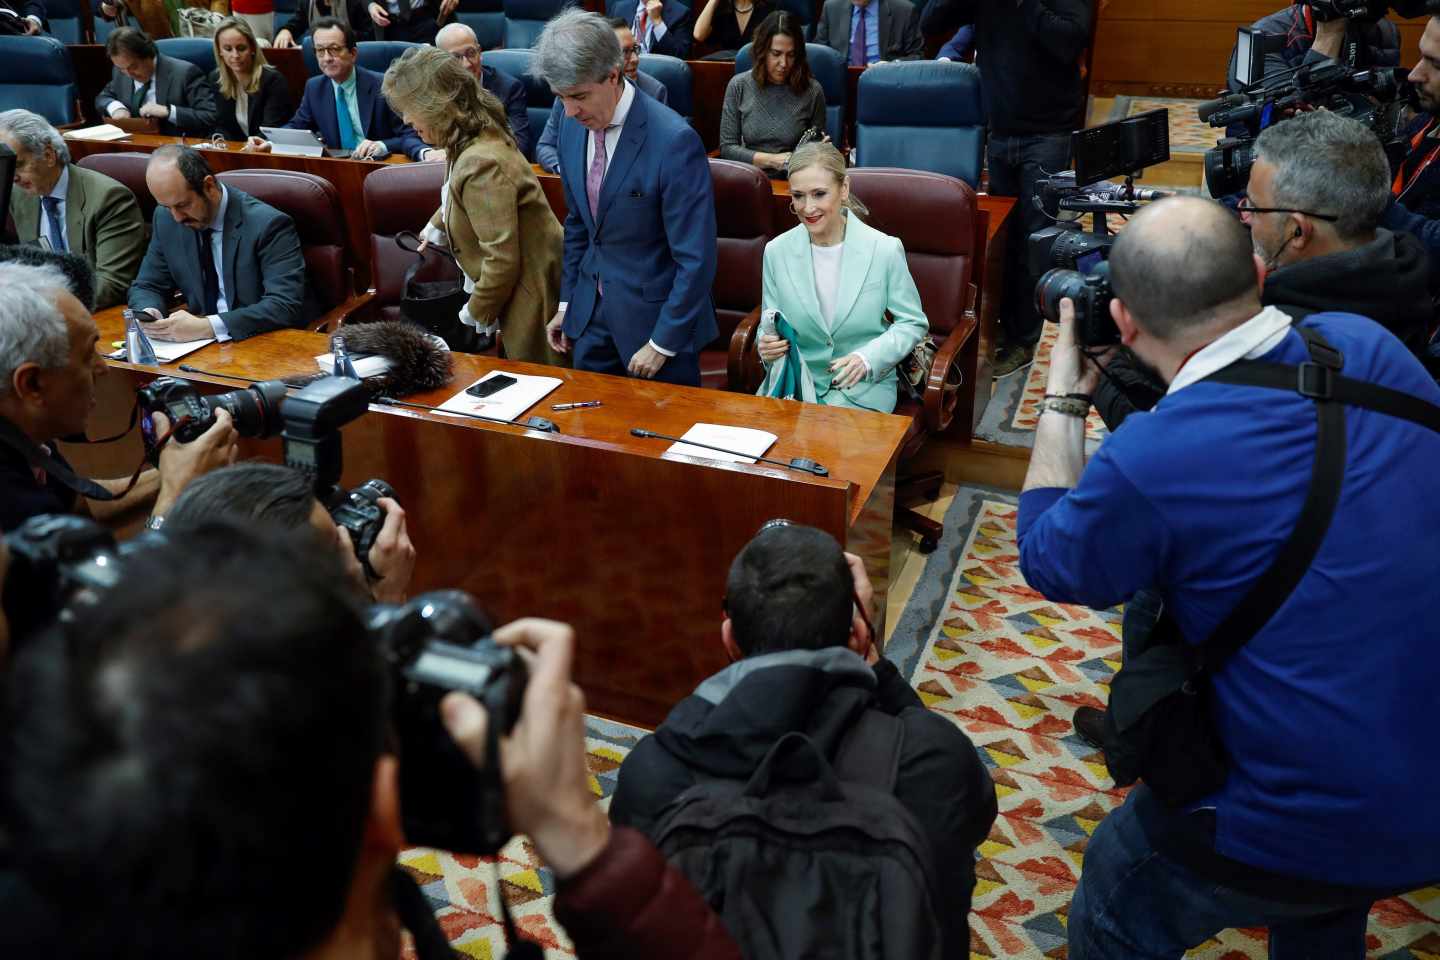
(934, 217)
(129, 169)
(313, 204)
(743, 225)
(398, 198)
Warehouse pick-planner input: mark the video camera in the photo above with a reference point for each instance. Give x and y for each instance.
(1070, 261)
(1377, 97)
(1364, 10)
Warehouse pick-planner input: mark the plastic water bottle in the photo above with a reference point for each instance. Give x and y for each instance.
(138, 348)
(343, 365)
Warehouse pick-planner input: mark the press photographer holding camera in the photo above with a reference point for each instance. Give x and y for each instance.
(48, 368)
(1317, 191)
(215, 762)
(1352, 32)
(1279, 723)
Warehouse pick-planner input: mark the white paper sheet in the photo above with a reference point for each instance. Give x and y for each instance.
(101, 131)
(508, 403)
(752, 443)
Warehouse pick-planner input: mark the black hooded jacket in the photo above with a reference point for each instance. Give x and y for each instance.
(732, 720)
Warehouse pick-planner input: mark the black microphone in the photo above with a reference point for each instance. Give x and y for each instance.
(1205, 110)
(798, 463)
(1117, 191)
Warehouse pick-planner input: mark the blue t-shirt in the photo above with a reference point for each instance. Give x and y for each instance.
(1327, 713)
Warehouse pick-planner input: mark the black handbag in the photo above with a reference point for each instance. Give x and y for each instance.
(435, 305)
(1159, 726)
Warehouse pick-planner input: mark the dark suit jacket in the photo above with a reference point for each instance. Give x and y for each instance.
(299, 22)
(103, 224)
(420, 26)
(652, 242)
(179, 85)
(270, 106)
(264, 275)
(511, 92)
(679, 26)
(317, 113)
(900, 37)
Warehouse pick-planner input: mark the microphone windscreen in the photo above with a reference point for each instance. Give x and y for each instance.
(417, 362)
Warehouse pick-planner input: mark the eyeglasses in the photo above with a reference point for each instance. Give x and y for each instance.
(330, 51)
(631, 51)
(468, 54)
(1247, 206)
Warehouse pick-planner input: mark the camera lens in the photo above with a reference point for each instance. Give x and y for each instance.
(1055, 286)
(255, 410)
(1227, 168)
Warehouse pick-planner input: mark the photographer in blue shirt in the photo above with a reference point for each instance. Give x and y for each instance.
(1324, 715)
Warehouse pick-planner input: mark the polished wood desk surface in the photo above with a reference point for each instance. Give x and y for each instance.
(856, 446)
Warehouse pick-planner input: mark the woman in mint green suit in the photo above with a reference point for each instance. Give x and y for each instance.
(834, 278)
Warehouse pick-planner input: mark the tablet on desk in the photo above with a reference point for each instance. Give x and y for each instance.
(295, 143)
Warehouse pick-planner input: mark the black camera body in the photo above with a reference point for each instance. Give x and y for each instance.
(1363, 10)
(1091, 294)
(359, 512)
(436, 643)
(254, 410)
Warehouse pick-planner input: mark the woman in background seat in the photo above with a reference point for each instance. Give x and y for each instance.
(253, 94)
(834, 278)
(768, 109)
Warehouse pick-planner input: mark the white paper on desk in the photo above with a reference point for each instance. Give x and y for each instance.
(752, 443)
(167, 351)
(101, 131)
(507, 404)
(371, 365)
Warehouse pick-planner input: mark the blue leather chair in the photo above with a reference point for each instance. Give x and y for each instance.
(675, 74)
(921, 115)
(64, 19)
(538, 96)
(486, 18)
(374, 55)
(524, 19)
(197, 50)
(39, 77)
(828, 67)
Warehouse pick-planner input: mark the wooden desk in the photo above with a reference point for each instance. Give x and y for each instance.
(348, 176)
(591, 526)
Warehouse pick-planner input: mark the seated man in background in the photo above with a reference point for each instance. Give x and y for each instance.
(459, 41)
(48, 369)
(659, 26)
(23, 17)
(547, 150)
(871, 31)
(639, 246)
(68, 208)
(236, 260)
(343, 105)
(408, 21)
(1318, 189)
(230, 717)
(1325, 734)
(146, 83)
(800, 664)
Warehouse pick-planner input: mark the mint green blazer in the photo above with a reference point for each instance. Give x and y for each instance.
(874, 278)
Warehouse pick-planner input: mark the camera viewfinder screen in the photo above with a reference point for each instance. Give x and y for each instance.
(1244, 58)
(451, 672)
(1121, 147)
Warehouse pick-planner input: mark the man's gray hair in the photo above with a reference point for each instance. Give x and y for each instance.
(34, 133)
(457, 27)
(574, 48)
(32, 328)
(1326, 163)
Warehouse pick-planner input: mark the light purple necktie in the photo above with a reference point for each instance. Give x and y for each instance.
(858, 46)
(597, 173)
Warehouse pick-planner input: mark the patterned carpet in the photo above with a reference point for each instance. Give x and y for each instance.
(1188, 133)
(1009, 667)
(1027, 411)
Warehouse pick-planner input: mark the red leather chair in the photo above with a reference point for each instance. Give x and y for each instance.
(934, 217)
(743, 225)
(313, 204)
(129, 169)
(401, 197)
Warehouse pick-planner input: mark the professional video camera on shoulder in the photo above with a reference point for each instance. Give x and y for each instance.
(1071, 260)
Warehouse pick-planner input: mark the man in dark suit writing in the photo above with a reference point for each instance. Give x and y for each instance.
(236, 260)
(640, 232)
(146, 83)
(343, 105)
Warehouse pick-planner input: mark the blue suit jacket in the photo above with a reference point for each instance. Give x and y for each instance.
(547, 150)
(652, 242)
(317, 113)
(511, 93)
(679, 25)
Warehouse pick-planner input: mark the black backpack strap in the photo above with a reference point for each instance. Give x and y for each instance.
(870, 752)
(1268, 594)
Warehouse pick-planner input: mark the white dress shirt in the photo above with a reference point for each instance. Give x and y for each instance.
(1253, 338)
(59, 192)
(116, 106)
(217, 251)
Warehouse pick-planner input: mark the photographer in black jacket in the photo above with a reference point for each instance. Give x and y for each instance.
(1317, 191)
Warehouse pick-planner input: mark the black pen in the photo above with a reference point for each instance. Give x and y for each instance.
(575, 406)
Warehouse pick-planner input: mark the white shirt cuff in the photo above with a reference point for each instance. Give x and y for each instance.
(115, 107)
(222, 332)
(425, 154)
(565, 306)
(469, 321)
(433, 235)
(661, 350)
(35, 20)
(869, 373)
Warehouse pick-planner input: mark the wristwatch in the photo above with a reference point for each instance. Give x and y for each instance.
(1072, 405)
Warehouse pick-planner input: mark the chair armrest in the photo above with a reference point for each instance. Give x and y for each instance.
(745, 370)
(343, 313)
(942, 390)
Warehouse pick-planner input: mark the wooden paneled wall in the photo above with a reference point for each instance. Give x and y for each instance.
(1181, 48)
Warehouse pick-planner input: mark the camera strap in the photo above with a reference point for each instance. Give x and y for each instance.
(40, 458)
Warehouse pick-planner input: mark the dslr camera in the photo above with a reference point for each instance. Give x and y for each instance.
(255, 410)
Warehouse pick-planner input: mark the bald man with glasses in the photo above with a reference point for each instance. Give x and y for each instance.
(459, 41)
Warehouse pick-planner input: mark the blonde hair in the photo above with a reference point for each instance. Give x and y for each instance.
(229, 83)
(430, 84)
(827, 158)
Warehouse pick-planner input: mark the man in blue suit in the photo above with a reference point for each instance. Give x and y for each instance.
(367, 127)
(660, 26)
(640, 232)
